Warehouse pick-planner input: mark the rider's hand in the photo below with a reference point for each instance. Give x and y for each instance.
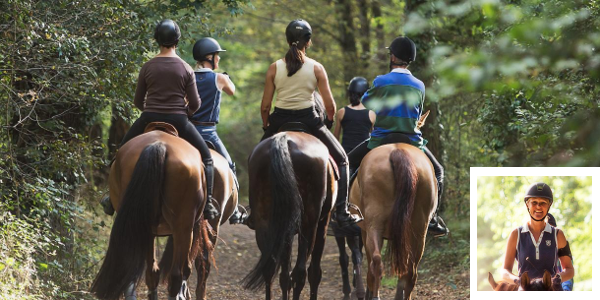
(328, 123)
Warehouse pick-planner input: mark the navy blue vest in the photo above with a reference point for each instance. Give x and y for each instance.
(537, 256)
(210, 95)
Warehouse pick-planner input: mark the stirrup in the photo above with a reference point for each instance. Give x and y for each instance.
(437, 227)
(210, 211)
(107, 206)
(239, 217)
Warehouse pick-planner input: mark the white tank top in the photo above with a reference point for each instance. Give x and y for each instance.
(295, 92)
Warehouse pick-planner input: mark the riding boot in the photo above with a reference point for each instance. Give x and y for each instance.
(210, 211)
(437, 226)
(343, 216)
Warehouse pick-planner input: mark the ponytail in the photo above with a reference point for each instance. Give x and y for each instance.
(354, 98)
(294, 59)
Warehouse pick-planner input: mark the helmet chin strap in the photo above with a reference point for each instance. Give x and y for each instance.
(212, 61)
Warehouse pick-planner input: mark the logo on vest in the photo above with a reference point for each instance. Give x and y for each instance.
(548, 243)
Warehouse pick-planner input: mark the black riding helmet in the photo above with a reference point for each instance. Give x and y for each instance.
(539, 190)
(358, 85)
(299, 32)
(167, 33)
(404, 49)
(204, 47)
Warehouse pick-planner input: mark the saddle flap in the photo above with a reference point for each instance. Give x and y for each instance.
(211, 145)
(295, 126)
(162, 126)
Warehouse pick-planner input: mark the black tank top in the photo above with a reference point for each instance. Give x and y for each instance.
(356, 125)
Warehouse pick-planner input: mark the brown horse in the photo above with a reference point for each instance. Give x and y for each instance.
(157, 186)
(524, 283)
(292, 187)
(225, 193)
(397, 192)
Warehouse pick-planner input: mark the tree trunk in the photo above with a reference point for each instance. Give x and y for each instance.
(365, 33)
(382, 57)
(347, 38)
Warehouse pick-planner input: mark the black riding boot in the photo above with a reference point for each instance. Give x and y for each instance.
(210, 211)
(105, 202)
(437, 226)
(342, 215)
(240, 214)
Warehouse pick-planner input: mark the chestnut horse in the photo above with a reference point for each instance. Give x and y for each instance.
(225, 193)
(157, 188)
(292, 187)
(396, 190)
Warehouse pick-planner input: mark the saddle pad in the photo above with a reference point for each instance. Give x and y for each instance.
(162, 126)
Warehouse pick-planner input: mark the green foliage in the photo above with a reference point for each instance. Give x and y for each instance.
(500, 209)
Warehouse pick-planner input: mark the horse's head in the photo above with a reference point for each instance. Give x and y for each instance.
(501, 285)
(538, 284)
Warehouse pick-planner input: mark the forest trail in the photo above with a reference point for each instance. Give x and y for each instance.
(236, 253)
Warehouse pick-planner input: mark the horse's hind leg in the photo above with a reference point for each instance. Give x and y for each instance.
(406, 283)
(285, 281)
(374, 243)
(343, 259)
(314, 270)
(152, 273)
(182, 239)
(355, 245)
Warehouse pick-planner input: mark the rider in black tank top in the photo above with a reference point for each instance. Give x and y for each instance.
(357, 126)
(355, 120)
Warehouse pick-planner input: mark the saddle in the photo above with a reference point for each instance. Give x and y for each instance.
(162, 126)
(301, 127)
(392, 138)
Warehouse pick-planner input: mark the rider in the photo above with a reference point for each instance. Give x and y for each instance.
(405, 95)
(355, 120)
(166, 92)
(295, 78)
(536, 245)
(210, 84)
(568, 284)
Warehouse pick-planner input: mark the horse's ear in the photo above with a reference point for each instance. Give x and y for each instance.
(492, 281)
(547, 280)
(524, 281)
(421, 121)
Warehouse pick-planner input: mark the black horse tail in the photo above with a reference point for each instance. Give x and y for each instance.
(286, 213)
(405, 188)
(131, 237)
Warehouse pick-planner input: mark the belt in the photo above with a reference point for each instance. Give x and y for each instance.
(204, 123)
(295, 111)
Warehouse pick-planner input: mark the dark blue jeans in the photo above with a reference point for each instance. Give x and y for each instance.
(209, 133)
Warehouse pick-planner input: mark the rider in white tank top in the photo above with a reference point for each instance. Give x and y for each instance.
(295, 92)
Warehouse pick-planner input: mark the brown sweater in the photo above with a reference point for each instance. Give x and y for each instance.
(163, 85)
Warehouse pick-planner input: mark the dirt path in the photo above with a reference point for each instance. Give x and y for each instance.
(237, 253)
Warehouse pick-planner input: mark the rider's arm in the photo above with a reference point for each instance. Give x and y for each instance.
(140, 90)
(267, 99)
(565, 261)
(225, 84)
(509, 258)
(338, 123)
(323, 85)
(372, 117)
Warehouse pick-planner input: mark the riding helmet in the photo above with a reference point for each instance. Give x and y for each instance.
(204, 47)
(298, 31)
(167, 33)
(358, 85)
(404, 49)
(539, 190)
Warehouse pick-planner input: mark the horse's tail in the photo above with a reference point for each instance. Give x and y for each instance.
(285, 218)
(131, 236)
(405, 188)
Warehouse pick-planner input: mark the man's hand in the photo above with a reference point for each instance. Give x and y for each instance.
(328, 123)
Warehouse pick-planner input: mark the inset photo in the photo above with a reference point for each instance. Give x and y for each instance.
(534, 232)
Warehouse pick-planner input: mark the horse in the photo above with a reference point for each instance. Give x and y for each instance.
(502, 285)
(350, 235)
(396, 190)
(524, 283)
(157, 187)
(225, 193)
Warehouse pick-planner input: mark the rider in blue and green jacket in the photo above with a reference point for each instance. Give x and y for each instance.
(397, 98)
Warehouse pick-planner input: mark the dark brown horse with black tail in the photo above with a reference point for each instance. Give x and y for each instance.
(157, 186)
(292, 187)
(397, 192)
